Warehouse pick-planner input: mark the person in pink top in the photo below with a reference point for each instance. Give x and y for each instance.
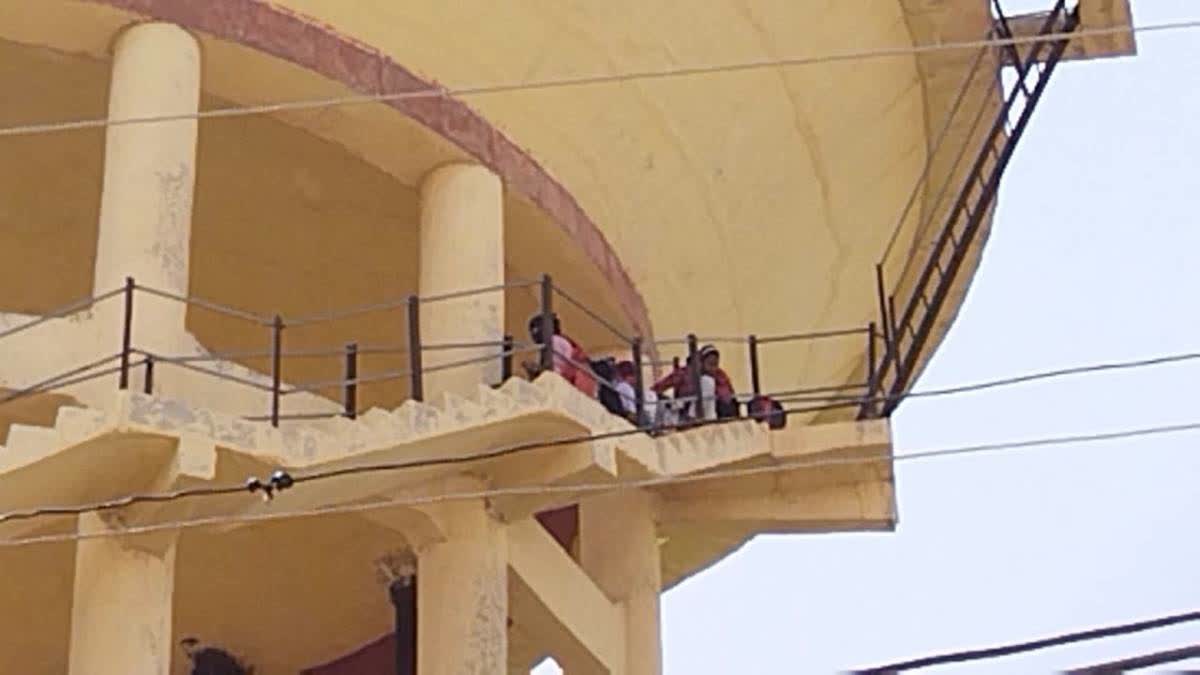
(570, 361)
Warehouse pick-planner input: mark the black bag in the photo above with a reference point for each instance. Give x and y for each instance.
(605, 371)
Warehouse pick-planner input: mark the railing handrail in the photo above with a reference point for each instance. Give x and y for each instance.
(627, 339)
(62, 312)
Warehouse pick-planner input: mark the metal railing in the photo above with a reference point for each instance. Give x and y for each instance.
(893, 346)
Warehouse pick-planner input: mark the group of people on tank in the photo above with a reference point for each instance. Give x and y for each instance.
(670, 402)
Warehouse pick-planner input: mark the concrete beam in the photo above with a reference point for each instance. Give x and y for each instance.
(1093, 15)
(857, 505)
(193, 464)
(557, 604)
(576, 464)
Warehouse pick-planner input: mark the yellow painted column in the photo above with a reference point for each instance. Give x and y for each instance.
(149, 180)
(462, 595)
(462, 248)
(618, 548)
(122, 605)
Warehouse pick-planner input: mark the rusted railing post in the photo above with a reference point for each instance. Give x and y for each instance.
(416, 382)
(276, 367)
(350, 389)
(148, 382)
(895, 330)
(881, 293)
(506, 359)
(755, 382)
(639, 383)
(127, 333)
(694, 372)
(868, 409)
(547, 315)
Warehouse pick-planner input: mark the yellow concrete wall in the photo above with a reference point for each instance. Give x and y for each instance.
(712, 189)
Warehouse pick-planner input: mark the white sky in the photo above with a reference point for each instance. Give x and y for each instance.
(1093, 257)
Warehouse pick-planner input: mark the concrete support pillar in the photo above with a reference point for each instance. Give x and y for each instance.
(462, 248)
(462, 604)
(618, 548)
(149, 179)
(122, 605)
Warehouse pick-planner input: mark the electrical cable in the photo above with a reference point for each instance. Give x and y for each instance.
(854, 402)
(1045, 643)
(438, 92)
(602, 487)
(1138, 662)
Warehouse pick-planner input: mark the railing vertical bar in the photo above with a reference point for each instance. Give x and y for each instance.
(127, 333)
(350, 391)
(881, 295)
(868, 409)
(639, 382)
(276, 367)
(148, 380)
(506, 359)
(416, 382)
(755, 382)
(694, 372)
(547, 314)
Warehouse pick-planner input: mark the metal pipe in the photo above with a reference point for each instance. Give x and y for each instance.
(276, 367)
(868, 409)
(639, 383)
(416, 385)
(350, 392)
(881, 295)
(755, 383)
(796, 337)
(694, 372)
(547, 323)
(148, 382)
(506, 359)
(403, 593)
(127, 333)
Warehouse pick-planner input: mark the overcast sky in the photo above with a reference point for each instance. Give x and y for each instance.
(1094, 257)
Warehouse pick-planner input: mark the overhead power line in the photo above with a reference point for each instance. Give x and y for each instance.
(1045, 643)
(517, 448)
(584, 80)
(1139, 662)
(586, 488)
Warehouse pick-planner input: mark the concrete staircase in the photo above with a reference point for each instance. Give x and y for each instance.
(563, 411)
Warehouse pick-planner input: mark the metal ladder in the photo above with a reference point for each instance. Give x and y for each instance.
(908, 333)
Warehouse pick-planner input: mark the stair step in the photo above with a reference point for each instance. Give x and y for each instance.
(75, 424)
(494, 403)
(416, 419)
(377, 419)
(26, 442)
(524, 392)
